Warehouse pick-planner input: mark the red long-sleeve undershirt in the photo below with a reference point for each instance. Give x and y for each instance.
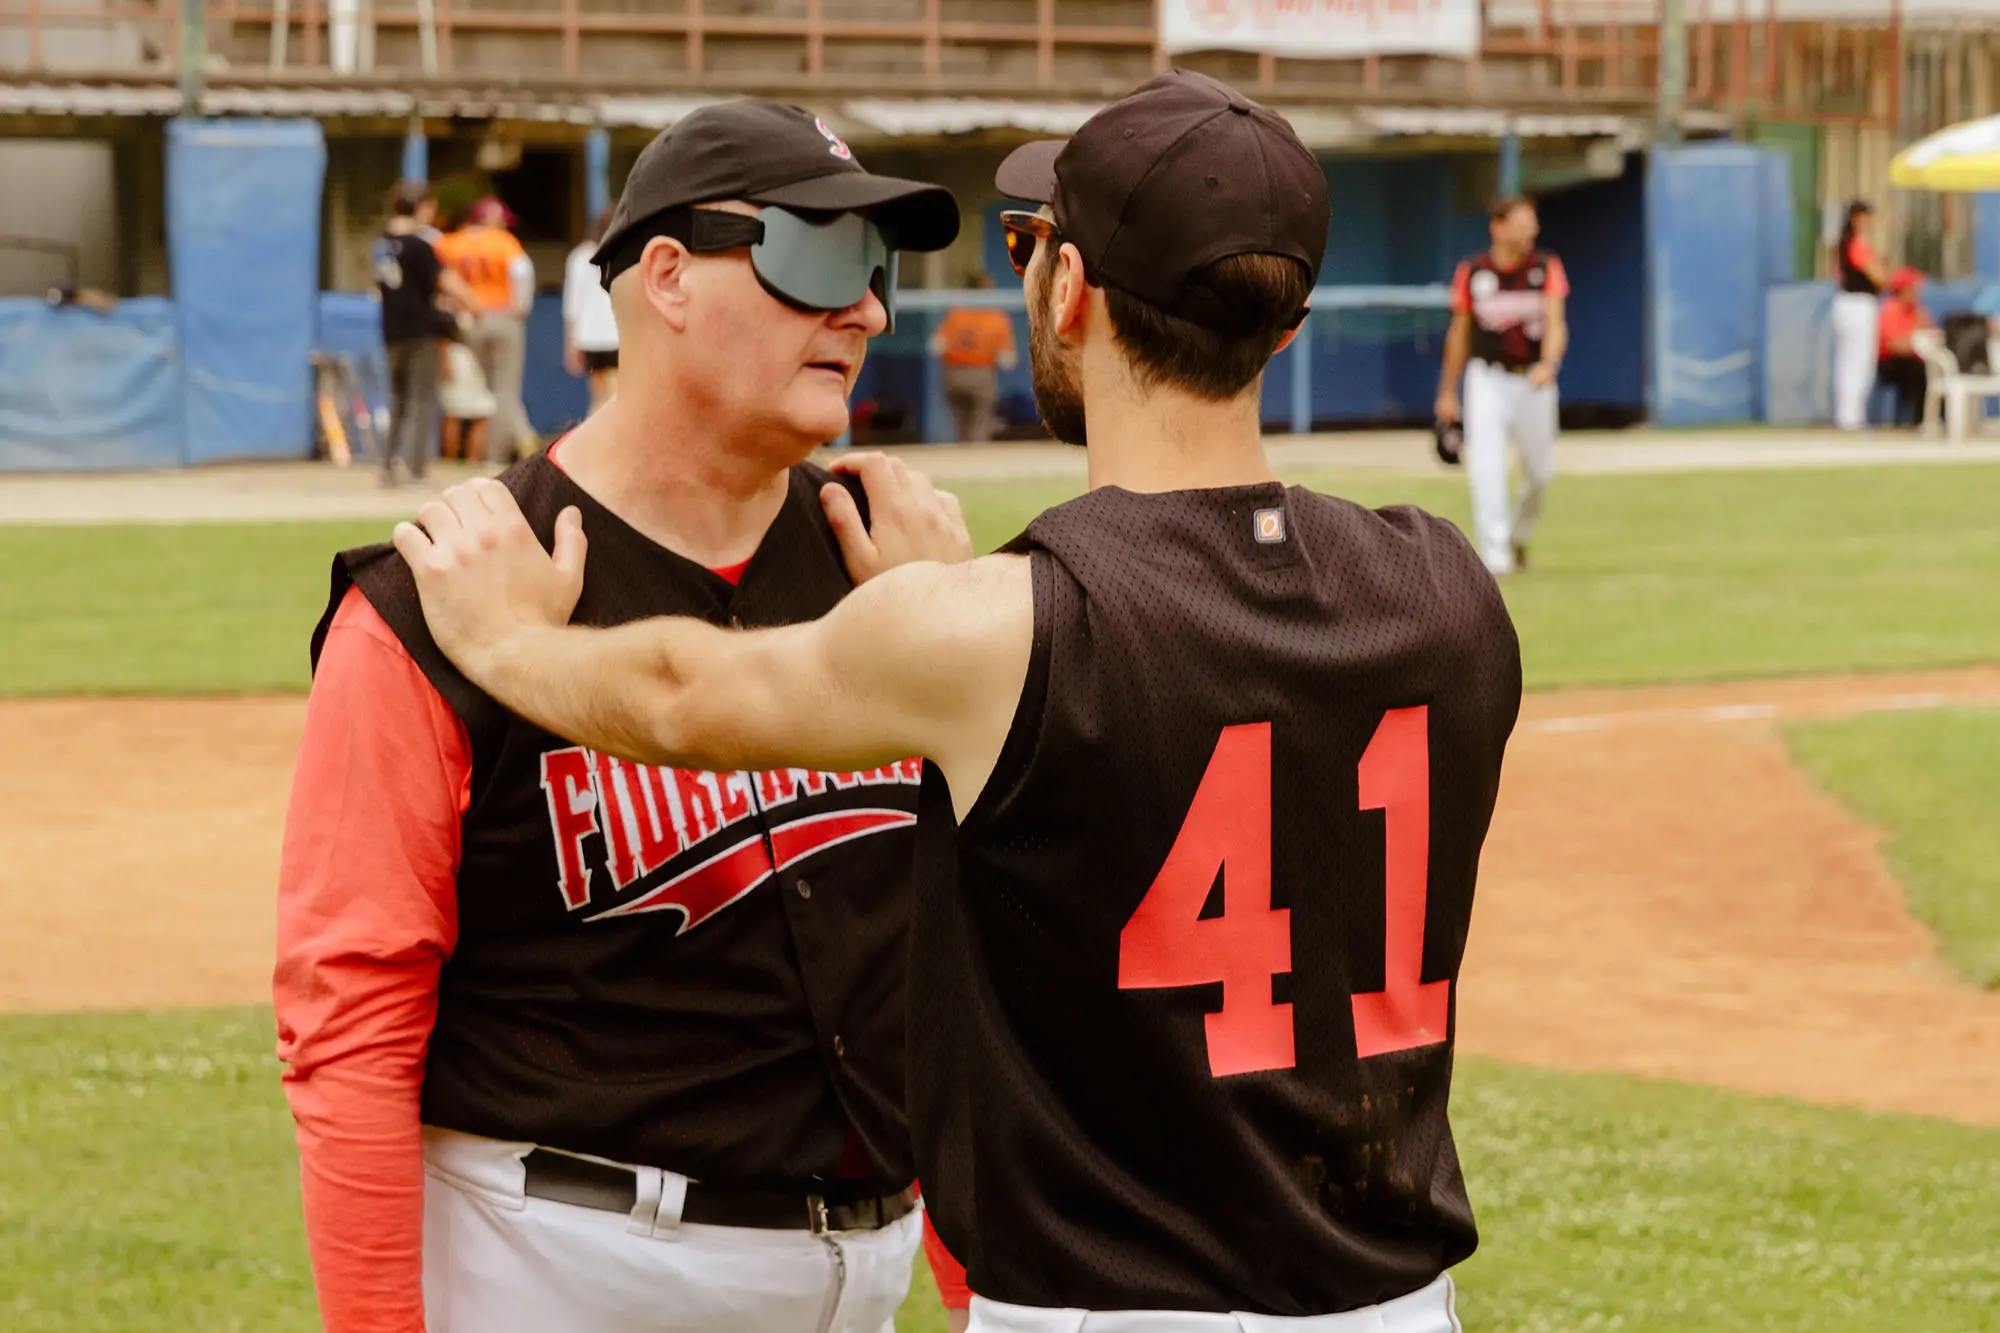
(367, 916)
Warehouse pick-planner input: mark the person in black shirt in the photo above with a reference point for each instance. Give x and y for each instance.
(597, 1046)
(1856, 312)
(1222, 753)
(410, 279)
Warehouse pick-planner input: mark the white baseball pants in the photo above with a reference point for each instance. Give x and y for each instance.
(1431, 1310)
(1855, 352)
(1498, 407)
(497, 1261)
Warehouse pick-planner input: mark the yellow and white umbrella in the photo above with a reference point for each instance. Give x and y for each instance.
(1964, 157)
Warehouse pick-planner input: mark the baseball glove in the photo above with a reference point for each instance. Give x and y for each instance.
(1449, 437)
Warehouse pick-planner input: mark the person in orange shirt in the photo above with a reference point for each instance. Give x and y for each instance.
(501, 275)
(975, 343)
(1897, 363)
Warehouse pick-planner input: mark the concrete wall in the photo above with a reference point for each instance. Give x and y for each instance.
(62, 190)
(360, 173)
(141, 159)
(83, 44)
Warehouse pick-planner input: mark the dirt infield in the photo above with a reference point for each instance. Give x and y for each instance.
(1662, 894)
(138, 850)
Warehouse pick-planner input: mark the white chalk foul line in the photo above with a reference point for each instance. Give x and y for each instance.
(1758, 712)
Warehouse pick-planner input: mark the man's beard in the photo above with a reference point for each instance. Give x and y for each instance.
(1058, 388)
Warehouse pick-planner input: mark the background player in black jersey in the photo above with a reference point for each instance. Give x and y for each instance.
(1222, 755)
(1509, 330)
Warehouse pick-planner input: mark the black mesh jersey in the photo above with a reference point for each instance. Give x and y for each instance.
(697, 971)
(1181, 1033)
(1509, 307)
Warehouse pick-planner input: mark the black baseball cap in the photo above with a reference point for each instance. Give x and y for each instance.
(1179, 173)
(771, 153)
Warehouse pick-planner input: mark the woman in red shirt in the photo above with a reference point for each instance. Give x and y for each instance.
(1898, 364)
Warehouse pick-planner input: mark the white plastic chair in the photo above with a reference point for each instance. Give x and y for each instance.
(1948, 391)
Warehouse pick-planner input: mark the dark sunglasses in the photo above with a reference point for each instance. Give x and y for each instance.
(816, 262)
(1023, 231)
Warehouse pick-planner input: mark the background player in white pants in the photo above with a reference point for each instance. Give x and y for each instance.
(1856, 313)
(1508, 336)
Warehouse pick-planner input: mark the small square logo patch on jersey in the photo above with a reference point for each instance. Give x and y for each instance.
(1270, 526)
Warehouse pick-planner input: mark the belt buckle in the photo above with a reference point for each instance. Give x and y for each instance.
(816, 1217)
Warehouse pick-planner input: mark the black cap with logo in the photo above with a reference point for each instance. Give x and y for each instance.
(1179, 173)
(770, 153)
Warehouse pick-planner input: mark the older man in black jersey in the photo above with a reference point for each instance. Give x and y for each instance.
(577, 1043)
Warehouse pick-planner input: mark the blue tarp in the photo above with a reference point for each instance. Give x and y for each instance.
(1986, 236)
(80, 390)
(243, 223)
(1798, 354)
(555, 399)
(1719, 227)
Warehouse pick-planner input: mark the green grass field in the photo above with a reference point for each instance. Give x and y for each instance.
(1932, 781)
(147, 1183)
(1663, 578)
(147, 1177)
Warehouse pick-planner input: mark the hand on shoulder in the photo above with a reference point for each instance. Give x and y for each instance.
(910, 518)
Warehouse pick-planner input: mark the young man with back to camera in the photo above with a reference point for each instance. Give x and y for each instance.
(581, 1044)
(1196, 728)
(1509, 331)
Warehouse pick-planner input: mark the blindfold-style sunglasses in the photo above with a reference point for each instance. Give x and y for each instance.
(817, 262)
(1023, 231)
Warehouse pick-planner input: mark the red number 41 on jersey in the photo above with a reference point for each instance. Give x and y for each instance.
(1228, 829)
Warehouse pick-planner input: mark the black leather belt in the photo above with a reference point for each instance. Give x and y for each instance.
(615, 1189)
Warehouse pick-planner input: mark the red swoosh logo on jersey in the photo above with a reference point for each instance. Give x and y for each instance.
(701, 891)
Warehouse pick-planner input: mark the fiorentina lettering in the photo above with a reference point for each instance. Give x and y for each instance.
(566, 779)
(649, 816)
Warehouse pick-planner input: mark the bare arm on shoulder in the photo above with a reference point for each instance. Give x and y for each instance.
(927, 658)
